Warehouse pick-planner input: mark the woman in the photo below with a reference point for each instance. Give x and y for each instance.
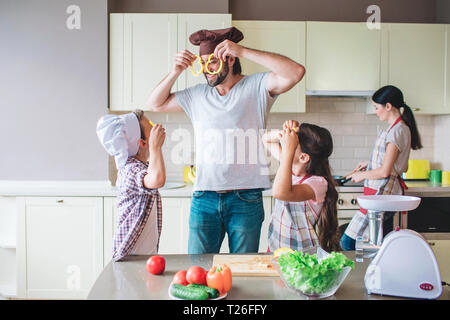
(389, 157)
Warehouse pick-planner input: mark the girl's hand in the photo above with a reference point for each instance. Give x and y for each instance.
(357, 177)
(291, 124)
(289, 140)
(157, 137)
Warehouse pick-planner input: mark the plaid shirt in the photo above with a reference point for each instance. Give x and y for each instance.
(135, 203)
(293, 225)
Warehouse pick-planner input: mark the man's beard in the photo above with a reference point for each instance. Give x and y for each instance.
(220, 77)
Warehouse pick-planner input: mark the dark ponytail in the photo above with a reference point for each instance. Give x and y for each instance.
(318, 144)
(394, 96)
(410, 121)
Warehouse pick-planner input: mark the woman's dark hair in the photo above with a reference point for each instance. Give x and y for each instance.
(394, 96)
(318, 144)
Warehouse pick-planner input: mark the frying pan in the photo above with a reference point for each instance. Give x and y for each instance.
(340, 181)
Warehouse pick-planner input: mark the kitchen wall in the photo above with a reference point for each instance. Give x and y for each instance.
(53, 89)
(412, 11)
(171, 6)
(354, 133)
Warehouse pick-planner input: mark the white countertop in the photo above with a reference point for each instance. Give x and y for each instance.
(105, 189)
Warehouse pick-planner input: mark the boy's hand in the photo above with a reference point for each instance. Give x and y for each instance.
(291, 124)
(289, 140)
(157, 137)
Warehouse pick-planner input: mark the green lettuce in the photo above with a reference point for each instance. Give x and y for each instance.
(304, 272)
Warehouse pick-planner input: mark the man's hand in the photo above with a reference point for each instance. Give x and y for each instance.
(291, 124)
(183, 60)
(228, 48)
(289, 141)
(157, 137)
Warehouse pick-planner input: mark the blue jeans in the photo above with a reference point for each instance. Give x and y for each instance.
(238, 213)
(348, 244)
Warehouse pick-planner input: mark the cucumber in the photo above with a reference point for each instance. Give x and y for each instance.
(213, 293)
(184, 292)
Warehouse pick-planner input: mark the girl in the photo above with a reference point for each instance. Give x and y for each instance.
(389, 157)
(304, 188)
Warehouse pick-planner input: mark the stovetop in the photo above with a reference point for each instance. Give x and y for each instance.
(352, 184)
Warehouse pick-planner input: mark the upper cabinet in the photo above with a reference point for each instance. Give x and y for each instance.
(417, 59)
(142, 48)
(283, 37)
(342, 56)
(339, 57)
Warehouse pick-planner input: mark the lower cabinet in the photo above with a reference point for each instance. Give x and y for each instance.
(59, 246)
(63, 243)
(175, 226)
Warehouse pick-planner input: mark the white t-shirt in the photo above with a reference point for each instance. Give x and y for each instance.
(228, 133)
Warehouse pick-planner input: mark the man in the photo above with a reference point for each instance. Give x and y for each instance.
(228, 191)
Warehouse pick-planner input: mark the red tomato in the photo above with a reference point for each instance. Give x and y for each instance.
(196, 274)
(156, 265)
(180, 278)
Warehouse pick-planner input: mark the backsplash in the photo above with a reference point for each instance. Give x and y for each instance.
(353, 130)
(442, 143)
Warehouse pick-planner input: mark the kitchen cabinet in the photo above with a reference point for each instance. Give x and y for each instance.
(142, 48)
(60, 246)
(417, 58)
(441, 248)
(110, 215)
(284, 37)
(8, 265)
(175, 226)
(342, 56)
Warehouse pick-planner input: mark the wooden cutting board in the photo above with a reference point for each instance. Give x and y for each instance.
(247, 265)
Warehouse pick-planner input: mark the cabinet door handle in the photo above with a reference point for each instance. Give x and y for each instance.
(340, 202)
(354, 202)
(59, 201)
(431, 243)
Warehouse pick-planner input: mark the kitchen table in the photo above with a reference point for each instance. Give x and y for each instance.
(129, 279)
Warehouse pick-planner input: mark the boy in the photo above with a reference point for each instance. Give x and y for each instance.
(136, 146)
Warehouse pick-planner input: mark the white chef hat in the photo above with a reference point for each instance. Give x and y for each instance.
(119, 135)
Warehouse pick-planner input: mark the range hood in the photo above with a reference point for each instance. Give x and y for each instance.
(327, 93)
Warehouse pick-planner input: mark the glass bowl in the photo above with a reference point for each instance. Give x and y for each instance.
(331, 280)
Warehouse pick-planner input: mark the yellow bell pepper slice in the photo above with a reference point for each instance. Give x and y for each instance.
(209, 60)
(201, 67)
